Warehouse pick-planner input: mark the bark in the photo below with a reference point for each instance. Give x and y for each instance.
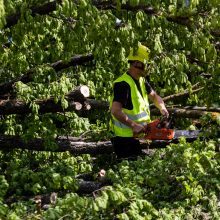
(74, 61)
(87, 187)
(216, 32)
(97, 104)
(8, 143)
(57, 66)
(182, 20)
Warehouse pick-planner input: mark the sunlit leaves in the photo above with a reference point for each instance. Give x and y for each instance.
(178, 182)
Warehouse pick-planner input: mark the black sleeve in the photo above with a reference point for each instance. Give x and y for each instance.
(121, 92)
(148, 87)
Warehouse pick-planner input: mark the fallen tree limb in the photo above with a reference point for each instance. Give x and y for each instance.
(72, 144)
(198, 108)
(187, 113)
(75, 99)
(184, 94)
(45, 200)
(179, 112)
(8, 107)
(9, 143)
(57, 66)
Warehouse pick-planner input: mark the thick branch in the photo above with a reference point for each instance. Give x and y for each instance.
(44, 201)
(181, 95)
(57, 66)
(8, 107)
(63, 144)
(74, 145)
(74, 61)
(182, 20)
(198, 108)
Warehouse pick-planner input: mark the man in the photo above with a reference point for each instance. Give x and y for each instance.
(130, 107)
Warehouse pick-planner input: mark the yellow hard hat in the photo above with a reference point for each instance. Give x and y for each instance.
(142, 54)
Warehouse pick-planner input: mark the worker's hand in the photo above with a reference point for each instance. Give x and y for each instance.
(164, 112)
(137, 129)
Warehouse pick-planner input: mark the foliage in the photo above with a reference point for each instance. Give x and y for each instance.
(179, 182)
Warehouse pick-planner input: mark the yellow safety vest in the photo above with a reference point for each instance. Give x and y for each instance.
(140, 112)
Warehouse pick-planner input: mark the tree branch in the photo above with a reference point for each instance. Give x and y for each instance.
(186, 93)
(41, 10)
(57, 66)
(72, 144)
(76, 102)
(187, 113)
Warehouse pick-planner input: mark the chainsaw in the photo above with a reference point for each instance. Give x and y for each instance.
(160, 129)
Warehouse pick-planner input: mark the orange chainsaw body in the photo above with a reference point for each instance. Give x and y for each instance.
(155, 131)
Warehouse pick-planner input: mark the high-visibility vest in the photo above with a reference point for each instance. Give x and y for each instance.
(140, 112)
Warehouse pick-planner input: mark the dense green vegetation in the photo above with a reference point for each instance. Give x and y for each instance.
(178, 182)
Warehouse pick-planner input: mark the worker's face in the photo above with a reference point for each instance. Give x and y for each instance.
(140, 67)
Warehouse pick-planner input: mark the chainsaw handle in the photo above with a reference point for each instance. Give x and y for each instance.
(164, 122)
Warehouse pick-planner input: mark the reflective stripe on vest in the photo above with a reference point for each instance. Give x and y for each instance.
(121, 125)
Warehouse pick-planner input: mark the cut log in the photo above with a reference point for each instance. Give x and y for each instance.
(97, 104)
(86, 106)
(80, 93)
